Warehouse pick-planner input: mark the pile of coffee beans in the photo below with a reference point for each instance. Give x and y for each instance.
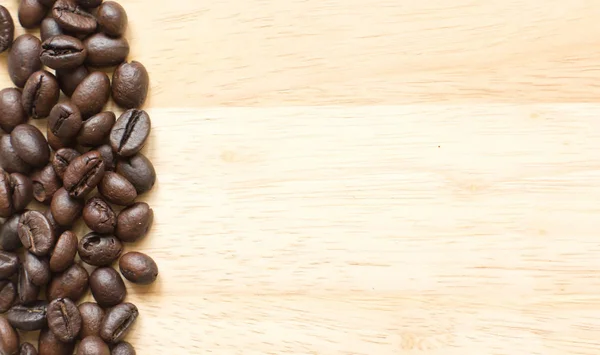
(86, 166)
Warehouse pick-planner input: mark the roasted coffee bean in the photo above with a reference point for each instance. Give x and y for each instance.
(63, 52)
(64, 319)
(31, 13)
(107, 288)
(50, 28)
(95, 130)
(64, 252)
(61, 160)
(40, 94)
(69, 79)
(8, 295)
(24, 59)
(99, 216)
(7, 29)
(47, 3)
(37, 269)
(72, 17)
(138, 268)
(72, 284)
(49, 344)
(98, 249)
(118, 322)
(89, 3)
(27, 292)
(28, 318)
(123, 348)
(9, 338)
(65, 121)
(35, 233)
(112, 18)
(134, 222)
(92, 94)
(9, 237)
(130, 85)
(56, 228)
(45, 184)
(93, 345)
(65, 209)
(108, 156)
(130, 132)
(105, 51)
(30, 145)
(91, 319)
(83, 174)
(9, 159)
(139, 171)
(116, 189)
(9, 264)
(27, 349)
(12, 113)
(16, 191)
(55, 142)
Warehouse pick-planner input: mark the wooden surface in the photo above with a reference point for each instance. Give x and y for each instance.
(372, 177)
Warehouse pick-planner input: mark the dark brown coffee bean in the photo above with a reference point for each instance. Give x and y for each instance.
(107, 288)
(99, 216)
(64, 252)
(30, 145)
(45, 184)
(64, 319)
(40, 94)
(47, 3)
(83, 174)
(9, 159)
(116, 189)
(28, 318)
(108, 156)
(49, 344)
(56, 228)
(123, 348)
(112, 19)
(9, 237)
(65, 209)
(50, 28)
(27, 349)
(99, 250)
(61, 160)
(138, 268)
(37, 269)
(31, 13)
(12, 113)
(65, 121)
(105, 51)
(130, 85)
(118, 322)
(27, 292)
(92, 94)
(56, 143)
(91, 319)
(8, 295)
(35, 233)
(9, 338)
(69, 79)
(7, 29)
(130, 132)
(63, 52)
(139, 171)
(72, 284)
(16, 191)
(24, 59)
(9, 264)
(72, 17)
(89, 3)
(134, 222)
(95, 130)
(93, 345)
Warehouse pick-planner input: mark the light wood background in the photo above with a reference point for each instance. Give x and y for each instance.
(372, 177)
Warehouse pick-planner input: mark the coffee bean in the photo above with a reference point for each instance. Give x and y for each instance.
(24, 59)
(98, 249)
(64, 319)
(7, 29)
(54, 226)
(93, 345)
(139, 171)
(27, 349)
(30, 145)
(108, 289)
(91, 319)
(12, 113)
(116, 189)
(27, 292)
(130, 85)
(118, 322)
(61, 160)
(9, 338)
(108, 156)
(9, 264)
(63, 52)
(50, 28)
(16, 191)
(138, 268)
(31, 13)
(56, 143)
(37, 269)
(47, 3)
(35, 233)
(65, 121)
(123, 348)
(99, 216)
(9, 160)
(95, 130)
(40, 94)
(28, 318)
(83, 174)
(130, 132)
(64, 252)
(105, 51)
(9, 237)
(65, 209)
(45, 184)
(92, 94)
(134, 222)
(8, 295)
(69, 79)
(72, 284)
(49, 344)
(72, 17)
(112, 19)
(89, 3)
